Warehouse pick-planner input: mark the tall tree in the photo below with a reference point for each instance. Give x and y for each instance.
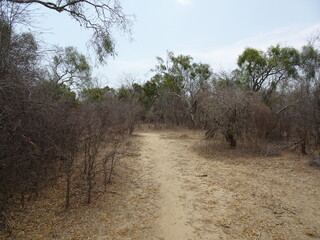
(70, 68)
(183, 78)
(129, 94)
(263, 71)
(99, 16)
(307, 111)
(229, 112)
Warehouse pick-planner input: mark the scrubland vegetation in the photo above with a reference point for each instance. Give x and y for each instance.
(58, 126)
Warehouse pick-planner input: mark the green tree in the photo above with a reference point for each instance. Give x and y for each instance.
(263, 71)
(71, 68)
(182, 78)
(97, 94)
(309, 66)
(307, 107)
(150, 92)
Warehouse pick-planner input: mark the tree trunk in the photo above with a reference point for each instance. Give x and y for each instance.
(22, 199)
(89, 190)
(68, 180)
(131, 128)
(105, 175)
(231, 140)
(111, 167)
(303, 147)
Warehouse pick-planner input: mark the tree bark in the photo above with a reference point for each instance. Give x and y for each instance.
(231, 140)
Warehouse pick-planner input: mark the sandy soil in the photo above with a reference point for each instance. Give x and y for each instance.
(230, 195)
(169, 189)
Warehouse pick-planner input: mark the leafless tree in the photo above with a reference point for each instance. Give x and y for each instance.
(229, 112)
(129, 96)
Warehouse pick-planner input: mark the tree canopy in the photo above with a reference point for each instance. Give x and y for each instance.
(264, 70)
(98, 16)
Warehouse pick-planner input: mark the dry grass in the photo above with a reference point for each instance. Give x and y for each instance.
(46, 218)
(229, 194)
(217, 147)
(261, 197)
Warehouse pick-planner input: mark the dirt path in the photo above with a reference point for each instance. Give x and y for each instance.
(229, 196)
(167, 189)
(173, 218)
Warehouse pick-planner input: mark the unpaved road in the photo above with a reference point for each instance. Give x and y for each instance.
(227, 196)
(169, 190)
(173, 222)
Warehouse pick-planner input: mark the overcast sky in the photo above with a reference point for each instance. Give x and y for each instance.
(211, 31)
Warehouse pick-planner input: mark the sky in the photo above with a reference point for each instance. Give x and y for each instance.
(211, 31)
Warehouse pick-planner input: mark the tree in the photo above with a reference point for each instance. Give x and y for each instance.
(229, 116)
(70, 68)
(229, 79)
(129, 94)
(46, 130)
(19, 57)
(307, 109)
(262, 71)
(182, 78)
(97, 94)
(309, 66)
(150, 92)
(96, 15)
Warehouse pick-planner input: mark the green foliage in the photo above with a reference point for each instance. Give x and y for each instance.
(150, 92)
(176, 87)
(123, 93)
(58, 92)
(181, 75)
(286, 59)
(127, 93)
(263, 71)
(98, 16)
(104, 47)
(75, 59)
(96, 94)
(309, 62)
(137, 88)
(64, 92)
(146, 93)
(252, 63)
(71, 68)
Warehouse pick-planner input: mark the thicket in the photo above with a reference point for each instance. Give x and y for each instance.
(272, 96)
(56, 124)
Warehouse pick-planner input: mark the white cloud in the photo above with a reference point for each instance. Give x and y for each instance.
(184, 2)
(226, 57)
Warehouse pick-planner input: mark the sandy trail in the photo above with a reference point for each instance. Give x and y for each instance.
(173, 218)
(167, 189)
(228, 196)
